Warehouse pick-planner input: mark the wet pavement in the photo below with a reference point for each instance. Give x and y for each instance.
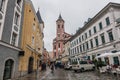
(61, 74)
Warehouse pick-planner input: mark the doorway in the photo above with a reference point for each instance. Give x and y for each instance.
(30, 65)
(8, 69)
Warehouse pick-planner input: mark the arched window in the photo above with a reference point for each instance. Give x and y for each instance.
(8, 69)
(54, 46)
(62, 26)
(54, 54)
(58, 26)
(59, 45)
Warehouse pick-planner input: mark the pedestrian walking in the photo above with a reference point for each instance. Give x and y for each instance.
(52, 67)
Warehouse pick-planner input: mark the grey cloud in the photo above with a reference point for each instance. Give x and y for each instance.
(74, 12)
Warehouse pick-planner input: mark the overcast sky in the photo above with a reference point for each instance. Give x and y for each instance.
(74, 12)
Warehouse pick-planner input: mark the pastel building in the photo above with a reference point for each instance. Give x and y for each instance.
(61, 37)
(45, 56)
(32, 39)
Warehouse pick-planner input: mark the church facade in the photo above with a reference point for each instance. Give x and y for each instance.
(61, 37)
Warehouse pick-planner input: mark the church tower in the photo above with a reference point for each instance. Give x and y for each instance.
(60, 28)
(61, 37)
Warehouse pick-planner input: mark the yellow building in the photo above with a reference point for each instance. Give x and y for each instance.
(32, 39)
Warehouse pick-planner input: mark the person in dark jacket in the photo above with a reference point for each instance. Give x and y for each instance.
(52, 67)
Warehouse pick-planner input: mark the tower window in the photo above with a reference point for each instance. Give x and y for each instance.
(65, 36)
(58, 26)
(62, 26)
(54, 46)
(59, 45)
(58, 35)
(54, 54)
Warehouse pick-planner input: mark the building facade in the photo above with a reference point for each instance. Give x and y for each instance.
(45, 56)
(51, 56)
(32, 40)
(61, 37)
(11, 15)
(99, 35)
(66, 53)
(41, 23)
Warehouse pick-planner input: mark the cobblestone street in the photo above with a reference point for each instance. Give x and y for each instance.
(61, 74)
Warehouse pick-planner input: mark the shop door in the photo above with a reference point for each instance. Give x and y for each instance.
(30, 65)
(8, 69)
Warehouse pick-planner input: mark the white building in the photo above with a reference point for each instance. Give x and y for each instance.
(65, 55)
(99, 35)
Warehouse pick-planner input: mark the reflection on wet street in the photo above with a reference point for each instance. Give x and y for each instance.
(61, 74)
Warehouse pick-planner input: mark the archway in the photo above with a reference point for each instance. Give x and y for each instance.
(30, 65)
(8, 69)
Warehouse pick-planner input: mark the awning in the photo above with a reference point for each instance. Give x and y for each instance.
(108, 54)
